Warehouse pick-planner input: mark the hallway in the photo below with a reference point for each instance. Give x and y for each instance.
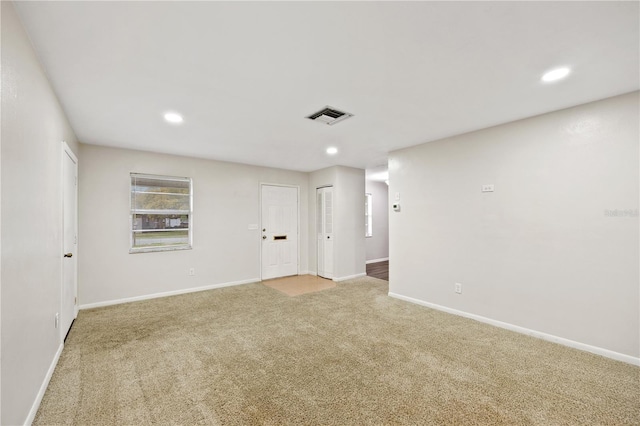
(379, 270)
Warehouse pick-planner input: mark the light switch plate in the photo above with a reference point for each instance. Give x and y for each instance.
(487, 188)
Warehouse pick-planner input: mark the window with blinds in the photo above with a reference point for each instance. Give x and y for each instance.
(368, 215)
(161, 213)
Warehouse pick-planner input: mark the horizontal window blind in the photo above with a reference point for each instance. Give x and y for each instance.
(161, 210)
(368, 215)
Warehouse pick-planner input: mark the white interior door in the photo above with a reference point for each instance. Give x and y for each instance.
(324, 226)
(70, 240)
(279, 231)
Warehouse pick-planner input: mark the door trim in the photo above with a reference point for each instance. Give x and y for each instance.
(259, 238)
(66, 150)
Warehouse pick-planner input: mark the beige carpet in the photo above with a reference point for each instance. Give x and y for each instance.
(299, 284)
(347, 355)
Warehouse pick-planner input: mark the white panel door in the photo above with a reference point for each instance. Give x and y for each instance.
(279, 231)
(70, 240)
(324, 226)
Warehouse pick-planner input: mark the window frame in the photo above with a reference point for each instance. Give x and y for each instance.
(133, 211)
(368, 215)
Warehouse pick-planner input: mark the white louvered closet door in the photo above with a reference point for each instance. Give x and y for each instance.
(324, 218)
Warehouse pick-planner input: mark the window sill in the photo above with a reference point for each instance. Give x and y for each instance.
(153, 249)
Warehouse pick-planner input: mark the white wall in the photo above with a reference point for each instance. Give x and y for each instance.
(33, 126)
(349, 245)
(349, 222)
(540, 252)
(226, 200)
(377, 246)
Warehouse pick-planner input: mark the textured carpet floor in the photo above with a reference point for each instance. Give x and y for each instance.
(347, 355)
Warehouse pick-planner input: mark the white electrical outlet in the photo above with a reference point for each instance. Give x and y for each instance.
(487, 188)
(57, 320)
(458, 288)
(192, 271)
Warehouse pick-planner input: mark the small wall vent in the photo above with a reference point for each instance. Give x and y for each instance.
(329, 115)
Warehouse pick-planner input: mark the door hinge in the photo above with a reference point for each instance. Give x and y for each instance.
(75, 181)
(75, 300)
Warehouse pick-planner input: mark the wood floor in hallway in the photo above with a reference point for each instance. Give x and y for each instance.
(379, 270)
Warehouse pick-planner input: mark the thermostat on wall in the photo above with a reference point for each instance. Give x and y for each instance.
(396, 207)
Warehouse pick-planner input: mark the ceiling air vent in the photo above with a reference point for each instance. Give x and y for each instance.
(329, 116)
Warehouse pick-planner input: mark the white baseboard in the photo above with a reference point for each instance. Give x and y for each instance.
(538, 334)
(349, 277)
(307, 273)
(167, 293)
(377, 260)
(43, 387)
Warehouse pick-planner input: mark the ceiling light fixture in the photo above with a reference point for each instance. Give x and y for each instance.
(556, 74)
(173, 118)
(332, 150)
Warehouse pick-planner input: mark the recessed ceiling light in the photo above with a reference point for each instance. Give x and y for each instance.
(332, 150)
(556, 74)
(173, 118)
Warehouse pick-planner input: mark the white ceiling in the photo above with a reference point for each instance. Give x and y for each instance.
(244, 75)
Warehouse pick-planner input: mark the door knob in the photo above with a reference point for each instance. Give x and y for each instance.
(264, 237)
(68, 255)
